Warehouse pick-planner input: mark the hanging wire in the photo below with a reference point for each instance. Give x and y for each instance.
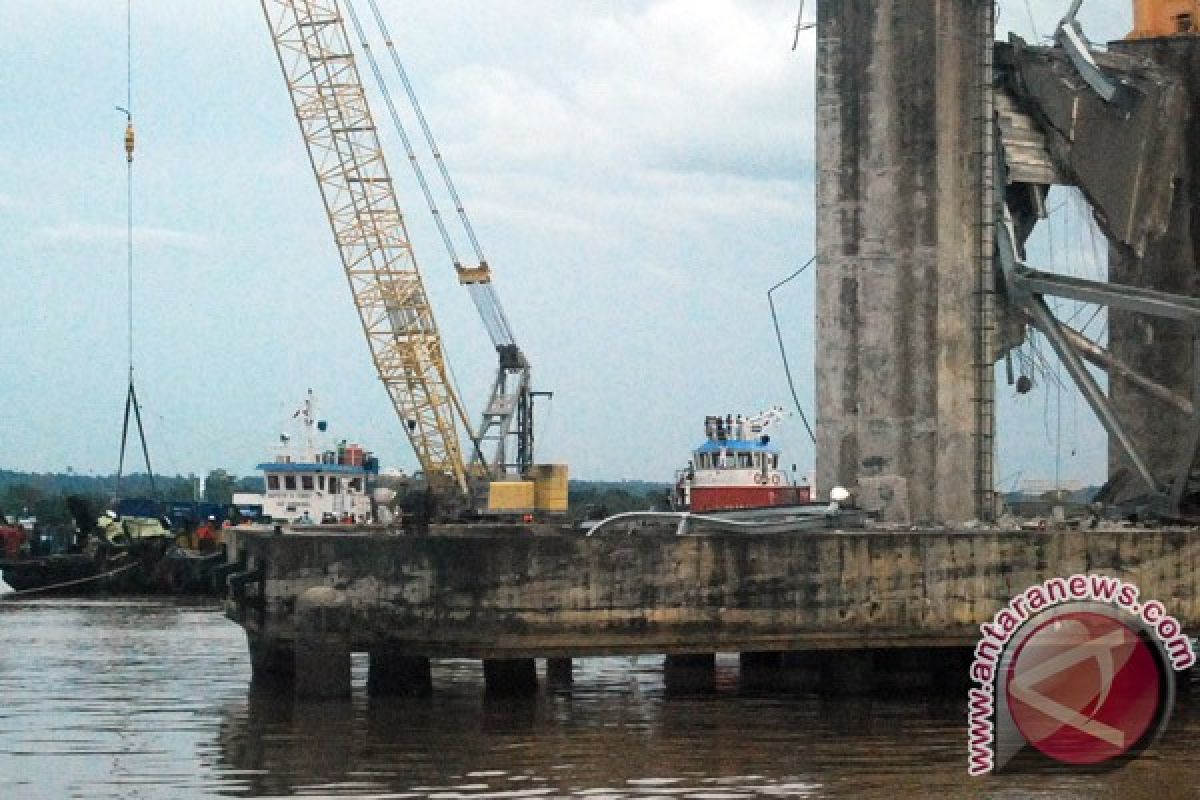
(425, 129)
(801, 25)
(483, 293)
(787, 370)
(447, 241)
(1037, 37)
(131, 401)
(129, 173)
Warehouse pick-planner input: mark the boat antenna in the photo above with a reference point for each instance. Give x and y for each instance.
(787, 370)
(131, 401)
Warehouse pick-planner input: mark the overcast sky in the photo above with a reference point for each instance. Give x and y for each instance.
(639, 173)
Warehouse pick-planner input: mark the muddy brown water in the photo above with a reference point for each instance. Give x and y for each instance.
(151, 699)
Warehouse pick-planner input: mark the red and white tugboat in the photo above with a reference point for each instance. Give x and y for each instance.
(736, 467)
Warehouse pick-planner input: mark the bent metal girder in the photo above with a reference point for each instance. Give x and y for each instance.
(1057, 87)
(1025, 289)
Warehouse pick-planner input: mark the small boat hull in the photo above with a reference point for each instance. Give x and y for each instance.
(721, 498)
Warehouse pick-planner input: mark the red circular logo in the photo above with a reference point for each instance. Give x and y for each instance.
(1083, 688)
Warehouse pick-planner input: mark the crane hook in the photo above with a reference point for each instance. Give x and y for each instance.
(129, 138)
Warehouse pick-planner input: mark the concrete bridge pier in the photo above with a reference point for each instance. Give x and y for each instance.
(322, 650)
(804, 670)
(270, 662)
(762, 670)
(391, 672)
(558, 671)
(510, 676)
(691, 672)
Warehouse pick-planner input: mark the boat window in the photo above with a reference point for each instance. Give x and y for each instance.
(745, 460)
(775, 462)
(273, 482)
(306, 482)
(355, 484)
(333, 485)
(321, 482)
(289, 481)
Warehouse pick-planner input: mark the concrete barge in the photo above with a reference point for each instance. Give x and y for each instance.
(308, 598)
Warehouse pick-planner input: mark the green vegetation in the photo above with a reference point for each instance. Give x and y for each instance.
(599, 499)
(44, 495)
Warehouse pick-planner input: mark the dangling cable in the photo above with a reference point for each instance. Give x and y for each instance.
(428, 132)
(787, 370)
(131, 401)
(479, 285)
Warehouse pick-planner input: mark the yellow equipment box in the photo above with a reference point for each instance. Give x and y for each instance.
(550, 487)
(510, 497)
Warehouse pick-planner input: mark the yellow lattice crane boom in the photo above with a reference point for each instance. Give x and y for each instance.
(360, 200)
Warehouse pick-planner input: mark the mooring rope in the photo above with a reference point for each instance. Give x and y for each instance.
(76, 582)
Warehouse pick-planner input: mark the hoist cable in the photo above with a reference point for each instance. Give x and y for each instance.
(131, 401)
(447, 241)
(433, 148)
(484, 294)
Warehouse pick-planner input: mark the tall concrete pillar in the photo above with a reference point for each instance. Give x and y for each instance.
(1161, 349)
(903, 366)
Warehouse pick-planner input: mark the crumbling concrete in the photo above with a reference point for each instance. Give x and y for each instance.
(1162, 349)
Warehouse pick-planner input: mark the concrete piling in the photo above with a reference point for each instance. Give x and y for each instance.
(559, 671)
(691, 672)
(322, 653)
(510, 676)
(392, 672)
(761, 669)
(271, 661)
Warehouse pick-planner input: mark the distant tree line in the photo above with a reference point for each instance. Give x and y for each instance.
(599, 499)
(44, 494)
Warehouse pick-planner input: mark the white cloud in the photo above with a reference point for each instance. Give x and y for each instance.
(711, 87)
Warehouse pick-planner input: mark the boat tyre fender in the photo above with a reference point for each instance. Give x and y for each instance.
(775, 479)
(759, 478)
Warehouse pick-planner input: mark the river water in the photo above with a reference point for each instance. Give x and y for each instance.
(152, 699)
